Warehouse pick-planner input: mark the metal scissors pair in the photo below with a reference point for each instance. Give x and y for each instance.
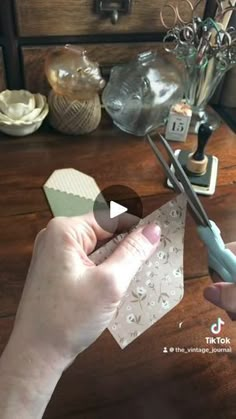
(225, 47)
(226, 39)
(177, 13)
(220, 259)
(180, 39)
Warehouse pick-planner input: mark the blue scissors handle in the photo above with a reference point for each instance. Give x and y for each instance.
(220, 259)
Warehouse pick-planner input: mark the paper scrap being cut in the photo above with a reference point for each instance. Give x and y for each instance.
(158, 286)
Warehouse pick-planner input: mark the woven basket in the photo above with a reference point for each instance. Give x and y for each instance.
(73, 116)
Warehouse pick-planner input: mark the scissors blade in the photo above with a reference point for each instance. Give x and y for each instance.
(176, 184)
(182, 180)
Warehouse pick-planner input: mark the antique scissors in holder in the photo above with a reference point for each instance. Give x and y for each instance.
(180, 38)
(226, 45)
(220, 259)
(177, 13)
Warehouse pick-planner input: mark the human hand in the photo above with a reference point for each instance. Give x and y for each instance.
(66, 304)
(223, 294)
(68, 301)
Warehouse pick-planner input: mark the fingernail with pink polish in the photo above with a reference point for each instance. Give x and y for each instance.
(152, 232)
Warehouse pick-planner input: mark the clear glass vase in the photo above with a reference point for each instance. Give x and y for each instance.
(201, 81)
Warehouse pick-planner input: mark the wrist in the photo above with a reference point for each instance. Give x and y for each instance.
(28, 377)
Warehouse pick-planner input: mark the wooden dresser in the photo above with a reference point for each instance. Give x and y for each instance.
(140, 382)
(31, 28)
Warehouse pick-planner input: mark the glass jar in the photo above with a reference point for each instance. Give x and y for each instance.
(140, 93)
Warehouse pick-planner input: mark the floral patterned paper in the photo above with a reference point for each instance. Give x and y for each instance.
(158, 286)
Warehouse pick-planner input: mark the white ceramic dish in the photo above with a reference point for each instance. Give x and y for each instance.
(22, 128)
(40, 117)
(20, 131)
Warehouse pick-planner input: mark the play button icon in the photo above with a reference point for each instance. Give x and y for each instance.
(113, 202)
(116, 209)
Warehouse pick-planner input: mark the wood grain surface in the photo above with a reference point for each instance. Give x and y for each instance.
(72, 17)
(141, 381)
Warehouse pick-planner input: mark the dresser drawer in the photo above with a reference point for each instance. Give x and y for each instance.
(77, 17)
(2, 72)
(106, 55)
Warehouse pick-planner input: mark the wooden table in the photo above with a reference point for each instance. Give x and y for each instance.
(140, 381)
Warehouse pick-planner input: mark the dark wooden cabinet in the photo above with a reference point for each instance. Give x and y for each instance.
(73, 17)
(2, 72)
(74, 21)
(31, 28)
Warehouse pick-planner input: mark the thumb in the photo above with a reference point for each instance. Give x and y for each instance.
(131, 253)
(222, 295)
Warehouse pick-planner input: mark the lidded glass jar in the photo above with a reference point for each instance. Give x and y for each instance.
(140, 93)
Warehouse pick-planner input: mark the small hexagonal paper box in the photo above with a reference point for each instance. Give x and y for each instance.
(70, 192)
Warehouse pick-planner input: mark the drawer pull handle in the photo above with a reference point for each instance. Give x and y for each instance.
(113, 8)
(114, 16)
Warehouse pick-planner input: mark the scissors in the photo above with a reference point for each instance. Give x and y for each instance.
(180, 39)
(177, 14)
(220, 259)
(226, 39)
(225, 47)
